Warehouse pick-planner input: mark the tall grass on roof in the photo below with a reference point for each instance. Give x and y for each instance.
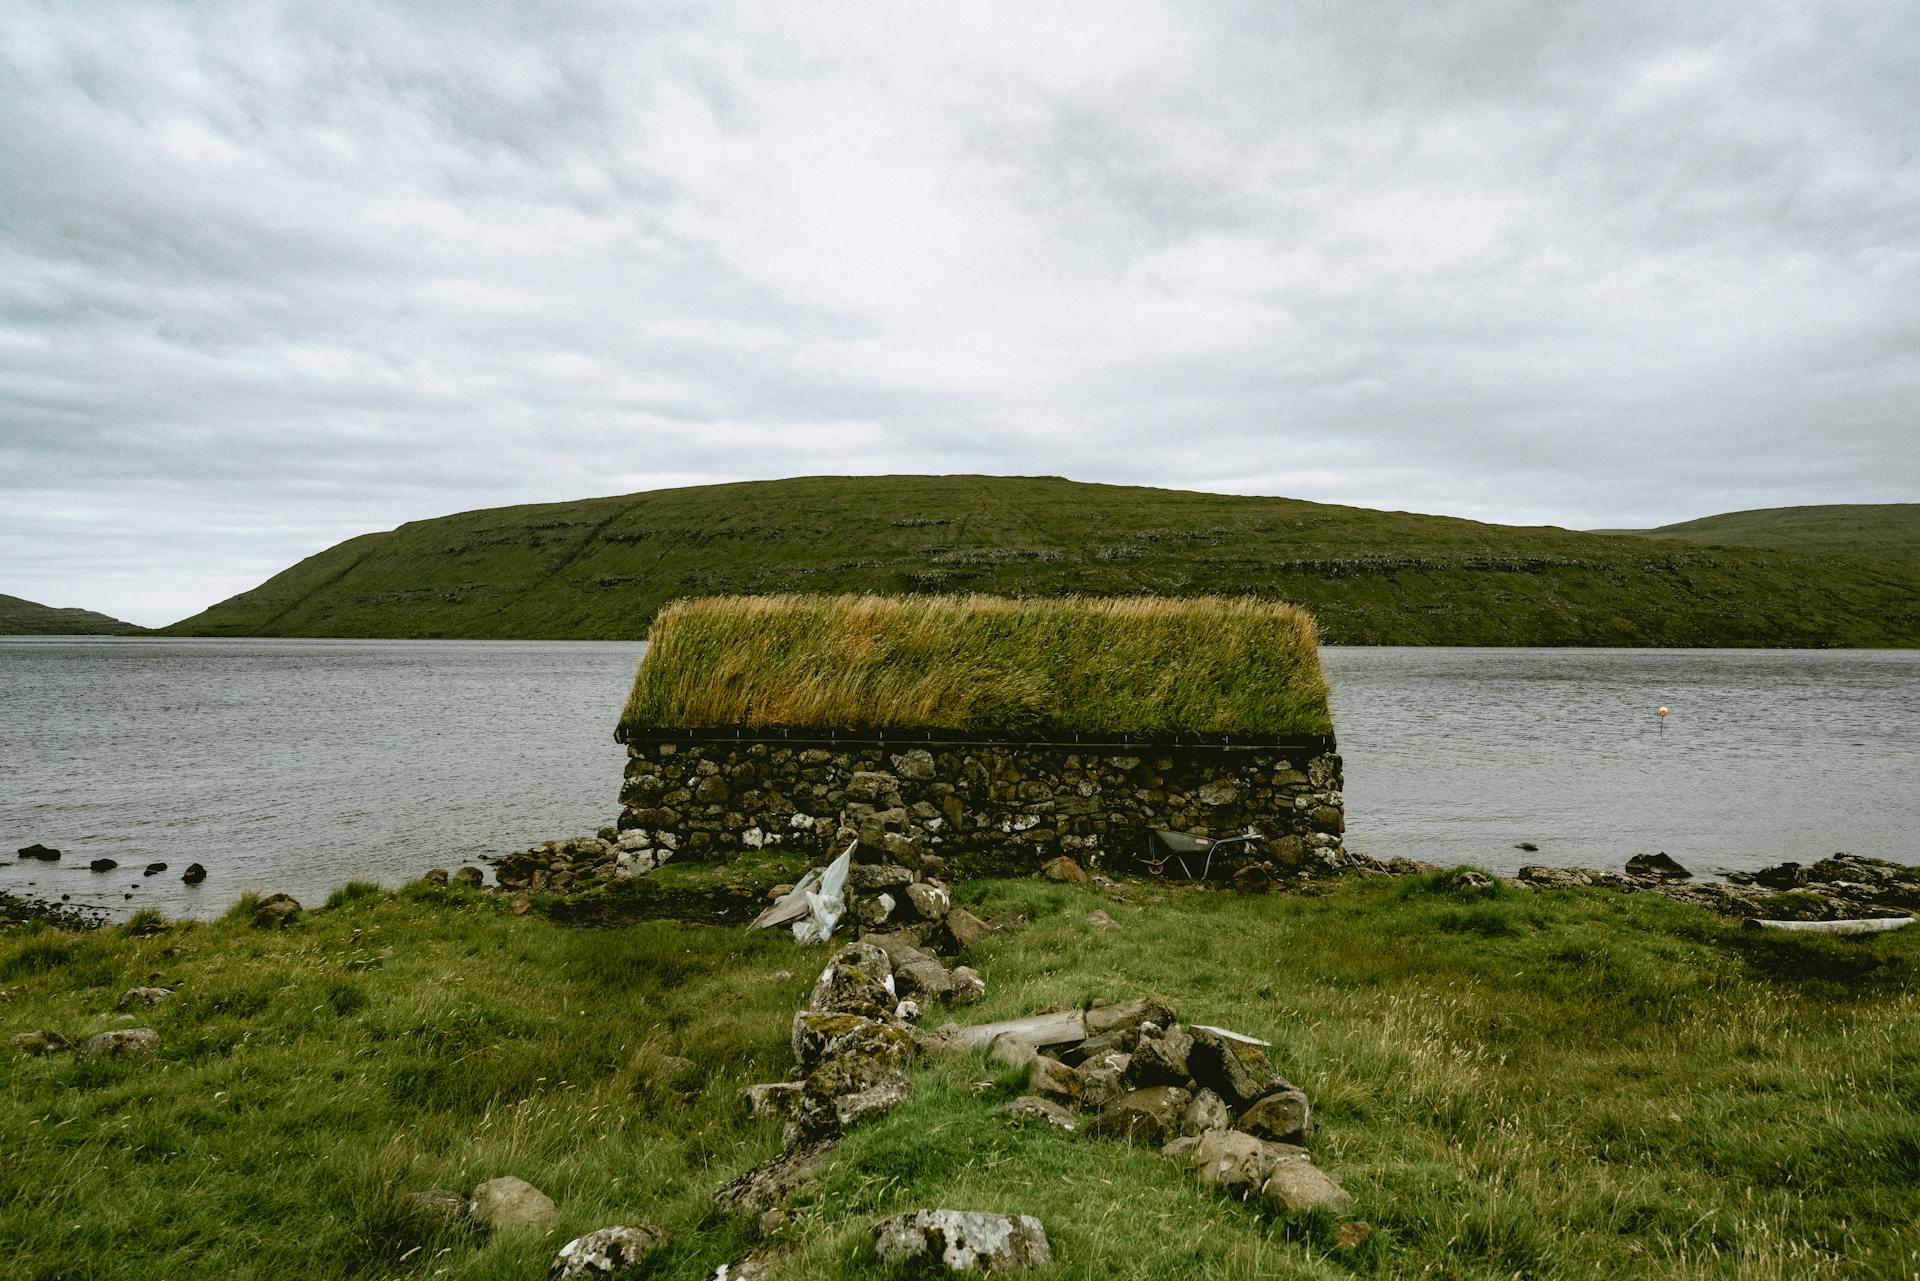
(1137, 665)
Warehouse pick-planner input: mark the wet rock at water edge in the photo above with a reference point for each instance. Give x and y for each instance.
(964, 1241)
(194, 874)
(1657, 865)
(44, 853)
(103, 864)
(470, 876)
(509, 1204)
(435, 876)
(125, 1043)
(607, 1252)
(154, 869)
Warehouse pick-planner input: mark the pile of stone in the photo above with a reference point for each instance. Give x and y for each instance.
(577, 862)
(1206, 1097)
(1842, 887)
(851, 1044)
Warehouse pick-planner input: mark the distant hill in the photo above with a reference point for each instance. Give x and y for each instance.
(601, 567)
(1890, 530)
(24, 618)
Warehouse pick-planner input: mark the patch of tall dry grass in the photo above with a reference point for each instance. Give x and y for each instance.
(1140, 665)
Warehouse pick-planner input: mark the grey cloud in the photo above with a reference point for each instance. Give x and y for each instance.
(271, 278)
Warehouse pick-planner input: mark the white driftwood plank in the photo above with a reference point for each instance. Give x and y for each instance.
(1036, 1029)
(1866, 925)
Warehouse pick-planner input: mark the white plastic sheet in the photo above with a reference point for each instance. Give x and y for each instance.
(826, 905)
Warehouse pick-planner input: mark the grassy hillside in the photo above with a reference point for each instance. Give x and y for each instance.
(1130, 664)
(1889, 530)
(1580, 1084)
(600, 568)
(25, 618)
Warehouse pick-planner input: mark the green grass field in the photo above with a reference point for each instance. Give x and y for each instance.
(601, 568)
(1136, 665)
(1888, 530)
(25, 618)
(1575, 1085)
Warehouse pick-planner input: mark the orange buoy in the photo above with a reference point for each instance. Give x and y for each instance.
(1662, 713)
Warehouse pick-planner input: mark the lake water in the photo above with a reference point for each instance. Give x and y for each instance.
(297, 765)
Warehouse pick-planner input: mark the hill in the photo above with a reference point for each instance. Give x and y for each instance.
(600, 568)
(1890, 530)
(25, 618)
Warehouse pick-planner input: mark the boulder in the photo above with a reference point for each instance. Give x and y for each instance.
(1180, 1150)
(1208, 1111)
(508, 1204)
(858, 979)
(819, 1037)
(103, 864)
(1232, 1066)
(967, 988)
(966, 928)
(154, 869)
(1657, 865)
(775, 1099)
(771, 1182)
(194, 874)
(470, 876)
(276, 912)
(930, 900)
(924, 977)
(1031, 1109)
(1010, 1049)
(1103, 1078)
(44, 853)
(1053, 1079)
(1298, 1185)
(42, 1041)
(841, 1093)
(1231, 1162)
(1162, 1059)
(606, 1252)
(1150, 1116)
(435, 876)
(1101, 921)
(142, 996)
(124, 1043)
(438, 1205)
(1128, 1015)
(1063, 869)
(964, 1241)
(1283, 1115)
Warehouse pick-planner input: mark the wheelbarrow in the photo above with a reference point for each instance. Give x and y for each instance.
(1183, 852)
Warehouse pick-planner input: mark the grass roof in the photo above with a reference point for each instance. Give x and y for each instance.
(1134, 665)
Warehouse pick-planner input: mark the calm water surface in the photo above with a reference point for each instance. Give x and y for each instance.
(297, 765)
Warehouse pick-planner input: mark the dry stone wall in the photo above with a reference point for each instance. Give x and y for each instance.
(973, 808)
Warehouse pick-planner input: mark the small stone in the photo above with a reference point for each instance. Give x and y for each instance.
(927, 977)
(605, 1252)
(1010, 1049)
(1657, 865)
(1232, 1067)
(43, 1041)
(1103, 1078)
(1349, 1235)
(1298, 1185)
(194, 874)
(508, 1204)
(438, 1204)
(968, 986)
(1283, 1115)
(1050, 1077)
(1162, 1060)
(1101, 921)
(1150, 1116)
(276, 912)
(1231, 1162)
(1208, 1111)
(1031, 1109)
(1063, 869)
(470, 876)
(142, 996)
(966, 928)
(125, 1043)
(964, 1241)
(1128, 1015)
(930, 901)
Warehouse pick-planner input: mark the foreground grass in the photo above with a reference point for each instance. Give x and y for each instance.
(1578, 1085)
(1136, 665)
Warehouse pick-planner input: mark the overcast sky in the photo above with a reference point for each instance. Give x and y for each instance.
(274, 275)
